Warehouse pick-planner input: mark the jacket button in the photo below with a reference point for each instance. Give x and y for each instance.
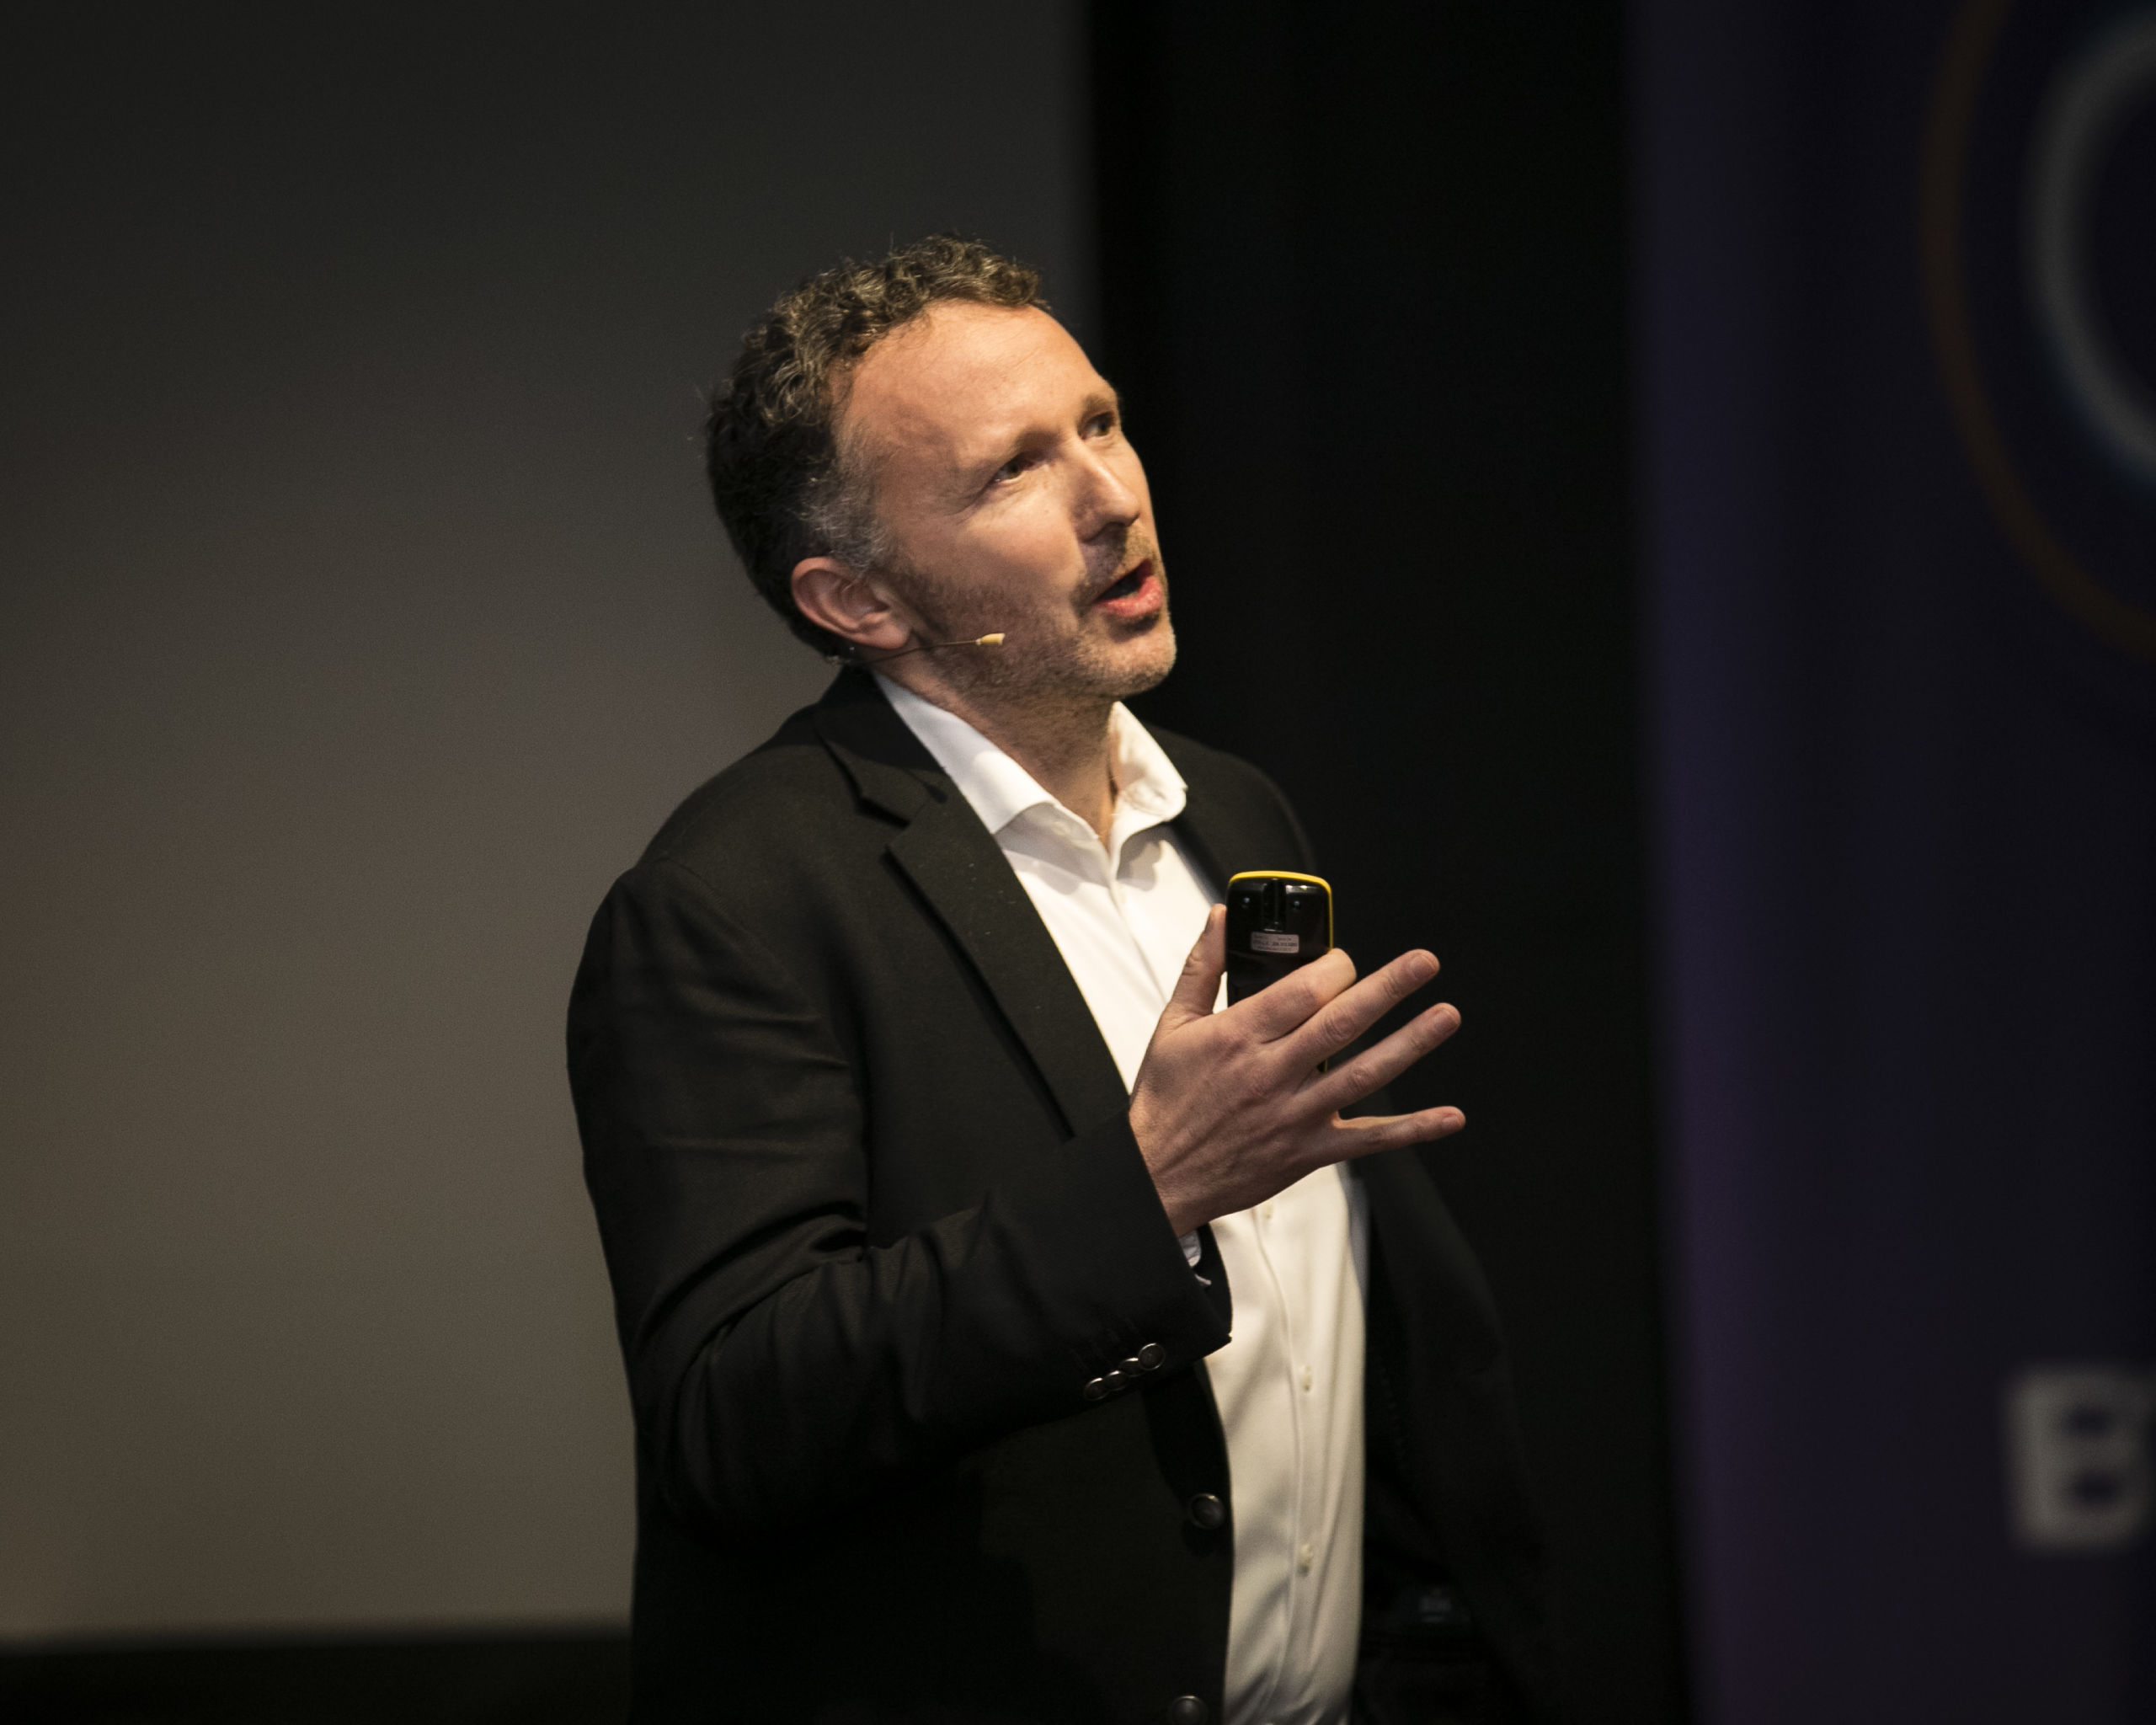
(1094, 1391)
(1114, 1379)
(1152, 1357)
(1188, 1710)
(1208, 1512)
(1131, 1367)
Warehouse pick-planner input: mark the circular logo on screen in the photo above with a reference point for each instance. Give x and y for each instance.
(2039, 227)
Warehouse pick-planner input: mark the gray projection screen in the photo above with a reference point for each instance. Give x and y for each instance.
(363, 615)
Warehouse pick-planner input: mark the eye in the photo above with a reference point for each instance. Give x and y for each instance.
(1101, 424)
(1017, 465)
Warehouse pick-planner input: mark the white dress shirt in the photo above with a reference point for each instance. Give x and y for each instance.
(1290, 1382)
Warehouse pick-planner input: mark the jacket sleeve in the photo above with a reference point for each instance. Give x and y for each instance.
(781, 1367)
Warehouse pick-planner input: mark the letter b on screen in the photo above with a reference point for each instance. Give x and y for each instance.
(2077, 1456)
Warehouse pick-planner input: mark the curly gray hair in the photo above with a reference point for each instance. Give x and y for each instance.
(784, 487)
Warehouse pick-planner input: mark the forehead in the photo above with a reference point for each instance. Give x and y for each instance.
(961, 379)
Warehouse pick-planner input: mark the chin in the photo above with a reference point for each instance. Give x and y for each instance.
(1140, 663)
(1154, 674)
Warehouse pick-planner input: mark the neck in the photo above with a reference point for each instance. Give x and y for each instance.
(1061, 740)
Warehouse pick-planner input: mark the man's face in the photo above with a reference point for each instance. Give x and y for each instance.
(1013, 503)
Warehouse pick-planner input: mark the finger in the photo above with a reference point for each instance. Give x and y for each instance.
(1348, 1014)
(1377, 1066)
(1280, 1008)
(1353, 1139)
(1199, 984)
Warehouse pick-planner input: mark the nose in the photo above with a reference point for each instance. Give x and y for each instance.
(1108, 499)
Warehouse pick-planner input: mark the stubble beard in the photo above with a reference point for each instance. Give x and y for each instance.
(1050, 664)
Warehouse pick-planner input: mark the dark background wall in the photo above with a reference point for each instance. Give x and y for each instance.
(363, 613)
(1364, 284)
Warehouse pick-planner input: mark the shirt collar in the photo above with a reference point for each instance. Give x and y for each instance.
(1148, 790)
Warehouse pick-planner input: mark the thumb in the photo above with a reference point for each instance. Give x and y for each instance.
(1199, 984)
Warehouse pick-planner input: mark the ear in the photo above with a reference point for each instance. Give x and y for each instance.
(852, 606)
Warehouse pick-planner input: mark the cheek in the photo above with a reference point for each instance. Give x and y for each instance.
(1029, 549)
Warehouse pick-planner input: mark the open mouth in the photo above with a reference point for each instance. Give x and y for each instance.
(1128, 585)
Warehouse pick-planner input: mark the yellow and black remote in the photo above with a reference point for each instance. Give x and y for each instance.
(1277, 923)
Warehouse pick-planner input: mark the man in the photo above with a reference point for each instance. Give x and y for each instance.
(1012, 1335)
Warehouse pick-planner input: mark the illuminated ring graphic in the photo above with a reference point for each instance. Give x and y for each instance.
(2080, 117)
(2130, 628)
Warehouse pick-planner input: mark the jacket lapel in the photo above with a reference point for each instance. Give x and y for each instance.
(955, 864)
(1219, 842)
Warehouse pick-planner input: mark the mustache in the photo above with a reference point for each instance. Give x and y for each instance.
(1113, 555)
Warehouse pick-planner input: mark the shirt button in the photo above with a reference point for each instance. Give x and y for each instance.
(1265, 1209)
(1304, 1556)
(1306, 1377)
(1188, 1710)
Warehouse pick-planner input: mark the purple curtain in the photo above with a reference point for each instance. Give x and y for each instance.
(1896, 325)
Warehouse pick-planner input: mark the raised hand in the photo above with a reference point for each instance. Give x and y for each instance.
(1229, 1107)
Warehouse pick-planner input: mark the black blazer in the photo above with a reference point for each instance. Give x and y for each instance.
(875, 1221)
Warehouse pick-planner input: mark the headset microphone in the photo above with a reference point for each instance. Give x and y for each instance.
(994, 640)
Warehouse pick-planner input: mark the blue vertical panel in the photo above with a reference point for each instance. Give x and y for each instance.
(1896, 316)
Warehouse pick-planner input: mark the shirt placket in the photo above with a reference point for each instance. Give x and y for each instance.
(1115, 856)
(1295, 1600)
